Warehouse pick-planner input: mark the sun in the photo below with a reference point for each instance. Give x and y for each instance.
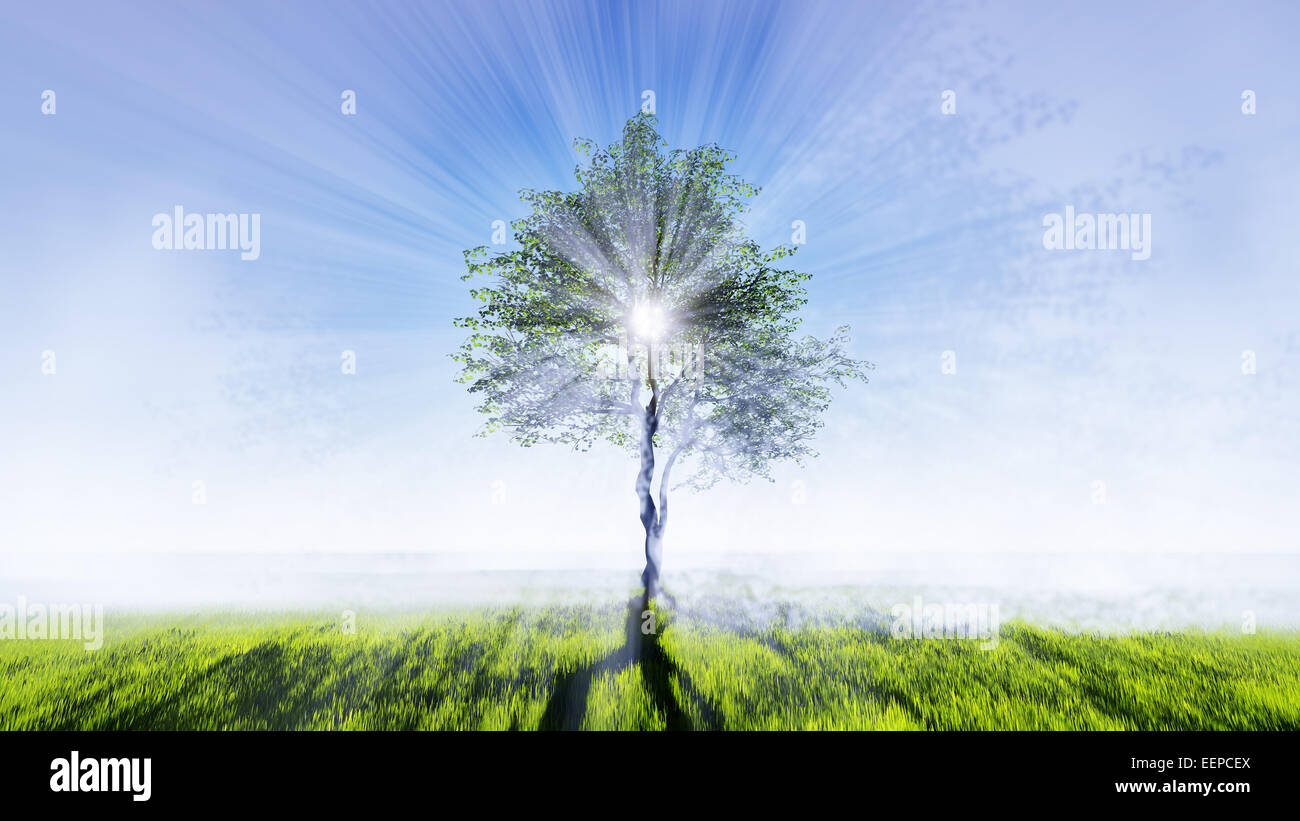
(648, 321)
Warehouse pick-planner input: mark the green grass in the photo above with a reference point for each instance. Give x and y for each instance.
(591, 668)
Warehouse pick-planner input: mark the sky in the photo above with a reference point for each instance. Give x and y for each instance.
(1024, 399)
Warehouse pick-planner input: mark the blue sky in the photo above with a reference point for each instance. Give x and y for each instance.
(924, 234)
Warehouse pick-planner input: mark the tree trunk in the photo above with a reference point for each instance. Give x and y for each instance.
(650, 517)
(654, 549)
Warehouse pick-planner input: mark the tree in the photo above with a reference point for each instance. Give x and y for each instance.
(635, 311)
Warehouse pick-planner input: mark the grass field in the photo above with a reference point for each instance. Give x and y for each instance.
(591, 668)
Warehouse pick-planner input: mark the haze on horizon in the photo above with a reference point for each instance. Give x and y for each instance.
(924, 233)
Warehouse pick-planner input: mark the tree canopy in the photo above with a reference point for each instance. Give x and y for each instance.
(635, 310)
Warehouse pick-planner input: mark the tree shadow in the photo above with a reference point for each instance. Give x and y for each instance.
(568, 702)
(264, 686)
